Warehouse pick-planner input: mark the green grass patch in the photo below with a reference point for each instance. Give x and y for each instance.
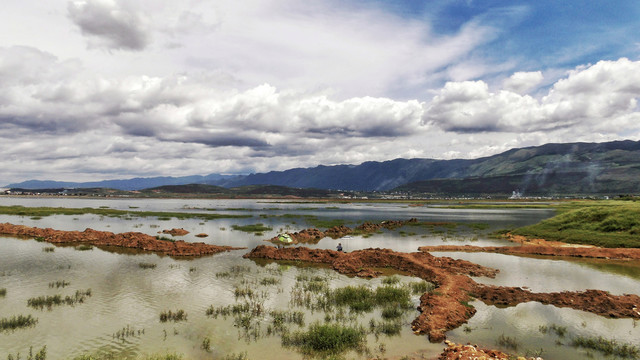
(17, 322)
(608, 347)
(179, 315)
(254, 228)
(608, 224)
(326, 338)
(47, 211)
(50, 301)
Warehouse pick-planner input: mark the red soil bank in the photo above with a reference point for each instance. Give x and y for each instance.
(570, 251)
(312, 236)
(128, 240)
(176, 232)
(447, 307)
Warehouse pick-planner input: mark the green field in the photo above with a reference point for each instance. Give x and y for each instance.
(603, 223)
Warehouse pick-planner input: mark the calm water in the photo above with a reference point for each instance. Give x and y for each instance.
(124, 294)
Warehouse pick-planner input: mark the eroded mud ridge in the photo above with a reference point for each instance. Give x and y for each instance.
(569, 251)
(313, 235)
(135, 240)
(447, 306)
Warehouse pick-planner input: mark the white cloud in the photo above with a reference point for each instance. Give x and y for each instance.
(522, 82)
(110, 24)
(590, 95)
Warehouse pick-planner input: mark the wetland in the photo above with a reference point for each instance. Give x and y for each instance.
(118, 302)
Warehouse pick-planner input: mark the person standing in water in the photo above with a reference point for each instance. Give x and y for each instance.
(339, 247)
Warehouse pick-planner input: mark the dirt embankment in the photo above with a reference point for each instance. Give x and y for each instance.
(104, 238)
(176, 232)
(447, 306)
(313, 236)
(544, 247)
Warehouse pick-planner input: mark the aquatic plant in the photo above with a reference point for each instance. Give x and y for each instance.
(17, 322)
(388, 328)
(326, 338)
(391, 312)
(3, 292)
(126, 332)
(391, 280)
(84, 247)
(165, 238)
(255, 228)
(206, 344)
(238, 356)
(607, 347)
(269, 281)
(179, 315)
(40, 355)
(508, 342)
(420, 287)
(145, 265)
(48, 249)
(59, 284)
(56, 300)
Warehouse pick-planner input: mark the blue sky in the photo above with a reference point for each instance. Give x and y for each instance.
(124, 88)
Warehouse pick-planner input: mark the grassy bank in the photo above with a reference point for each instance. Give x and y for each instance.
(47, 211)
(603, 223)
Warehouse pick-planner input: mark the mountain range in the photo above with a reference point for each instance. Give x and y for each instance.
(569, 168)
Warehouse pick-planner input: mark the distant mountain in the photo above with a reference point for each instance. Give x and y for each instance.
(242, 191)
(126, 184)
(573, 168)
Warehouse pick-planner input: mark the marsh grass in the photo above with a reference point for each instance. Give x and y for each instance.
(255, 228)
(17, 322)
(127, 332)
(389, 328)
(84, 247)
(47, 211)
(206, 344)
(145, 265)
(607, 347)
(326, 339)
(165, 238)
(179, 315)
(40, 355)
(48, 249)
(49, 301)
(605, 224)
(238, 356)
(269, 281)
(3, 292)
(59, 284)
(508, 342)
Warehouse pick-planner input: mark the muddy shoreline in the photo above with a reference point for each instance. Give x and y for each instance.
(447, 307)
(135, 240)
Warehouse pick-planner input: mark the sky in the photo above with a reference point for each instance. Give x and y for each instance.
(112, 89)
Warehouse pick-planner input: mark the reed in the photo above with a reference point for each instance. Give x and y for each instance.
(17, 322)
(179, 315)
(608, 347)
(59, 284)
(145, 265)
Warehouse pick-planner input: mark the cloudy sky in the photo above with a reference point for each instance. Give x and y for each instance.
(104, 89)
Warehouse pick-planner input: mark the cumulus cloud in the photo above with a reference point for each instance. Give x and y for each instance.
(607, 91)
(186, 124)
(110, 24)
(522, 82)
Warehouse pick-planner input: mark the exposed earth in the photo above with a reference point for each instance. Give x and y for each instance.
(447, 307)
(135, 240)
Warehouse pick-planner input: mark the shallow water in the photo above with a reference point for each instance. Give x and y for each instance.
(124, 294)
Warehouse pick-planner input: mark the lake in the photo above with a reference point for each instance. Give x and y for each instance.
(121, 317)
